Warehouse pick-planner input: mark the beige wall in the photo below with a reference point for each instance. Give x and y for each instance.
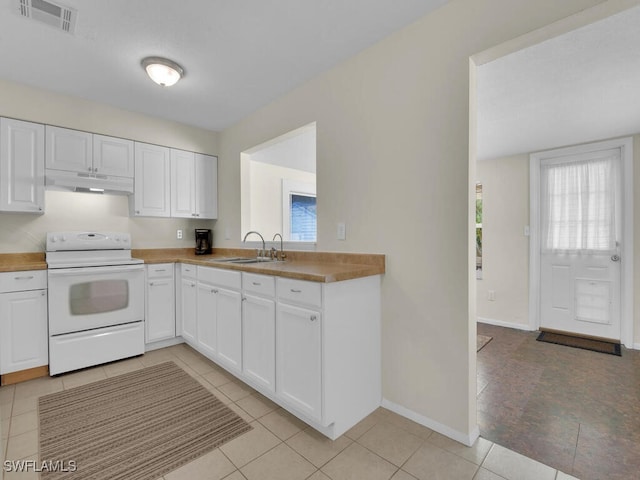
(392, 163)
(505, 248)
(80, 211)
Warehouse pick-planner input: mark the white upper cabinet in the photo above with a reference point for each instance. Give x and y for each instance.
(151, 196)
(194, 185)
(83, 152)
(70, 150)
(21, 166)
(206, 186)
(183, 178)
(113, 156)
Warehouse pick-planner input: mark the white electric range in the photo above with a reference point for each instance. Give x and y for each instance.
(96, 299)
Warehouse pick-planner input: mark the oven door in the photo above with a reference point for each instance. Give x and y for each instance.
(85, 298)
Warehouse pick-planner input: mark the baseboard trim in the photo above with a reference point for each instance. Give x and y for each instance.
(500, 323)
(466, 439)
(24, 375)
(636, 346)
(163, 343)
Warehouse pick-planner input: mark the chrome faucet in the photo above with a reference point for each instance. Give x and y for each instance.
(260, 252)
(282, 254)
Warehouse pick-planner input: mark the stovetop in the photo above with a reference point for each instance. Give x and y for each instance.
(89, 249)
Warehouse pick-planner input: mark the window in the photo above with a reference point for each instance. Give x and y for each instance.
(302, 218)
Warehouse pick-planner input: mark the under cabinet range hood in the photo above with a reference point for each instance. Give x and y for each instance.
(87, 182)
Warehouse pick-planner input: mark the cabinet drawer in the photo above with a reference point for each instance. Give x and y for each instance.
(218, 276)
(160, 270)
(300, 292)
(24, 280)
(188, 271)
(260, 284)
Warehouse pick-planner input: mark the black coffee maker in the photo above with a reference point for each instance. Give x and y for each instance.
(203, 241)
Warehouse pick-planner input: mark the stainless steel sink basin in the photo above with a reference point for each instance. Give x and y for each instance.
(225, 260)
(251, 260)
(239, 260)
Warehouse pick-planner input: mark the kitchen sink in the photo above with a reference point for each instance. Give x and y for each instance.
(240, 260)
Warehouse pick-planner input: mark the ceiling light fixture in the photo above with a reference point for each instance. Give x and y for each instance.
(162, 71)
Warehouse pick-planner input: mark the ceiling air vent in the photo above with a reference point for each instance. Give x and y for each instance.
(53, 14)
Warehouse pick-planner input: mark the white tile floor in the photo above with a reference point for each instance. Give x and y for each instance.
(383, 446)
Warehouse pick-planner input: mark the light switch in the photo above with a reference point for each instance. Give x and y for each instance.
(342, 231)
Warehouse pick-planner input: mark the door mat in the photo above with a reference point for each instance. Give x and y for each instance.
(481, 341)
(580, 342)
(136, 426)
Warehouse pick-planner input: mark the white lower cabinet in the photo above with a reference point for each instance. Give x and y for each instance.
(23, 321)
(259, 331)
(299, 359)
(313, 348)
(160, 316)
(229, 329)
(188, 307)
(210, 314)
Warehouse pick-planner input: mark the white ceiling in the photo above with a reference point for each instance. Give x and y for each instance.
(575, 88)
(238, 54)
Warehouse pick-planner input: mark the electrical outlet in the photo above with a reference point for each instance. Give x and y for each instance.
(492, 295)
(179, 234)
(342, 231)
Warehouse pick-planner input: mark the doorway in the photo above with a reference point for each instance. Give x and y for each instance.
(581, 245)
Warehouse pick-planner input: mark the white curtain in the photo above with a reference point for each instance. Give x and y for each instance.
(579, 204)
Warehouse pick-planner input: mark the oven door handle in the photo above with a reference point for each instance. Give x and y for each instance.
(73, 272)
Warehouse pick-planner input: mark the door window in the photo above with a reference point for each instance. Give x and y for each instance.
(579, 204)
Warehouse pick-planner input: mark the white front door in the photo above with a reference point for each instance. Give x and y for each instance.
(581, 204)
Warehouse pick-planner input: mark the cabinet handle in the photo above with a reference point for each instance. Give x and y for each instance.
(193, 284)
(294, 290)
(137, 212)
(214, 290)
(151, 284)
(89, 168)
(95, 169)
(40, 209)
(256, 283)
(161, 270)
(244, 298)
(313, 318)
(26, 277)
(43, 293)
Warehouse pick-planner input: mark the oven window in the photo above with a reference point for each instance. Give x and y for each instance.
(98, 296)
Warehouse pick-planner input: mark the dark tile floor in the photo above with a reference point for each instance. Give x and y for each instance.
(575, 410)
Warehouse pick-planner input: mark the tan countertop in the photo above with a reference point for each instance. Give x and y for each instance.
(313, 266)
(17, 262)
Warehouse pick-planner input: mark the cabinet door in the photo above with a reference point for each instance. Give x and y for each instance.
(206, 186)
(152, 181)
(183, 179)
(160, 321)
(188, 311)
(259, 340)
(299, 359)
(21, 166)
(23, 330)
(69, 150)
(229, 329)
(206, 318)
(113, 156)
